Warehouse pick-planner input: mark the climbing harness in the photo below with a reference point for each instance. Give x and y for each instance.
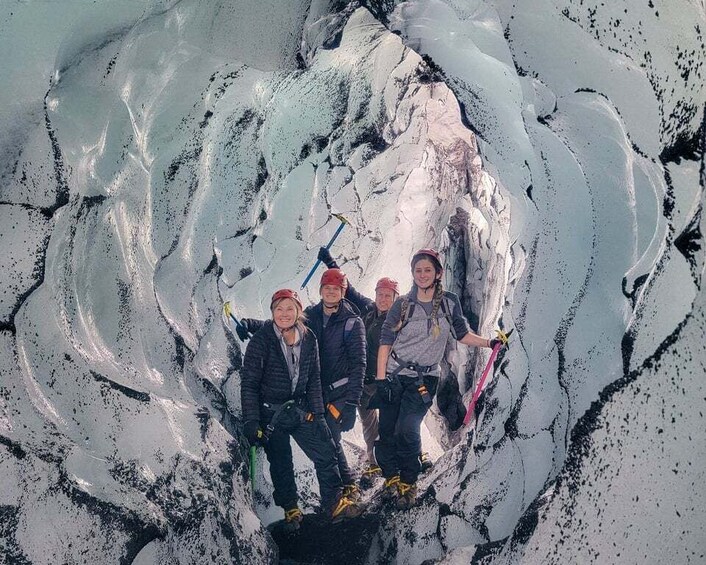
(421, 370)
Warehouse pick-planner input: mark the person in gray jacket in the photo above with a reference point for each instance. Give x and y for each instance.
(412, 343)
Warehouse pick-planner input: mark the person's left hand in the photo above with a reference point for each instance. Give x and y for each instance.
(325, 257)
(241, 328)
(253, 433)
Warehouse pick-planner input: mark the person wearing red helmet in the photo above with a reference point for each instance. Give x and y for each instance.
(341, 337)
(373, 313)
(341, 334)
(413, 341)
(281, 399)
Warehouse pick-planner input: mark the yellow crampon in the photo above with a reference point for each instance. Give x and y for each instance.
(372, 470)
(351, 491)
(389, 489)
(343, 503)
(403, 488)
(293, 515)
(406, 495)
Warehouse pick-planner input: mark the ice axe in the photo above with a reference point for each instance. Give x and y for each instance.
(503, 337)
(328, 246)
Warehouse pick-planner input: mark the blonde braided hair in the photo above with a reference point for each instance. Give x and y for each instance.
(436, 303)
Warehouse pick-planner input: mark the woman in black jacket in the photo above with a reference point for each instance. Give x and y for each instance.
(281, 397)
(341, 338)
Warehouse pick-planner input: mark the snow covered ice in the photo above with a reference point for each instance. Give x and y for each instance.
(158, 158)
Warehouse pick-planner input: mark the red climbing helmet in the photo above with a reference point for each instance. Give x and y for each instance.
(388, 283)
(335, 277)
(430, 254)
(286, 293)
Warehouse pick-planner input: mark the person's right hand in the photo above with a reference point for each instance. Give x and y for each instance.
(241, 328)
(325, 257)
(253, 432)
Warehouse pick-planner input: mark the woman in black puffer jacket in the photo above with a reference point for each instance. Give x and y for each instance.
(281, 397)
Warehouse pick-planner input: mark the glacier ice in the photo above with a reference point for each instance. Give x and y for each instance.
(160, 157)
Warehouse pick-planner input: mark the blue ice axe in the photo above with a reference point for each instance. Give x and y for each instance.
(328, 246)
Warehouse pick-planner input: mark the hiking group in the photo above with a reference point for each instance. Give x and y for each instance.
(307, 372)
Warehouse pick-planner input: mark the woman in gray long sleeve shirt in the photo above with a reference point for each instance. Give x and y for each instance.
(412, 343)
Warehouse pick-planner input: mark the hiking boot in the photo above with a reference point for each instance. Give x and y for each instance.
(352, 492)
(345, 508)
(370, 473)
(293, 519)
(389, 489)
(426, 461)
(406, 495)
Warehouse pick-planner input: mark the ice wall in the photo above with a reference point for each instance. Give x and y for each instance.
(158, 158)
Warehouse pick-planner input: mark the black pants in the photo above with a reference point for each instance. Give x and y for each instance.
(400, 443)
(347, 475)
(314, 438)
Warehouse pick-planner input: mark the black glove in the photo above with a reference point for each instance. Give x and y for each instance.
(387, 392)
(493, 342)
(253, 432)
(242, 330)
(325, 257)
(348, 417)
